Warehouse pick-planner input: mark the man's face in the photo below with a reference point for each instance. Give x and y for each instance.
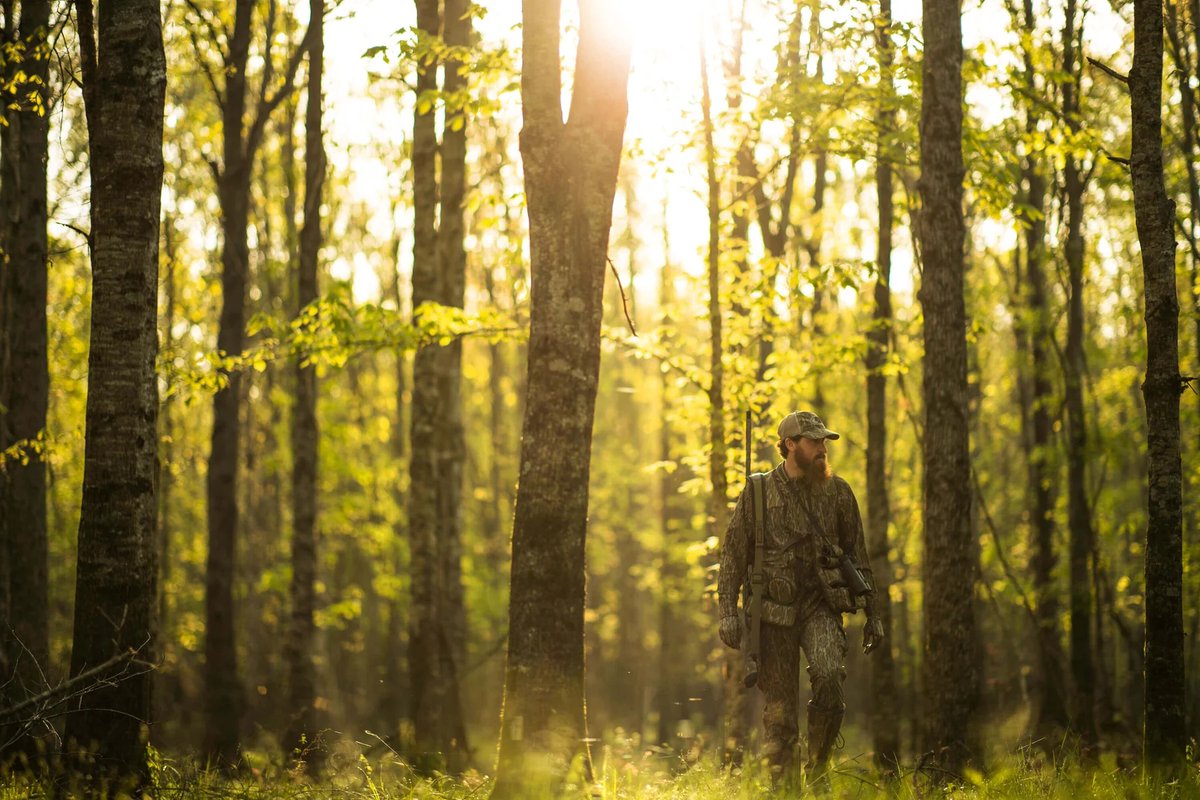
(810, 457)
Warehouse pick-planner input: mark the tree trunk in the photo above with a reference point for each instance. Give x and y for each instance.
(222, 687)
(1165, 731)
(23, 411)
(115, 594)
(951, 663)
(304, 726)
(733, 740)
(885, 719)
(671, 698)
(1035, 337)
(8, 219)
(438, 635)
(570, 181)
(1079, 516)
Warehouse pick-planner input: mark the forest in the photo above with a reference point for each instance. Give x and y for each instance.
(379, 383)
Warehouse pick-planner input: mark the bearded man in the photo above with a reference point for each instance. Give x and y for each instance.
(811, 519)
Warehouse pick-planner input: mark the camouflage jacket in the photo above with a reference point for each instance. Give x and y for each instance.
(795, 578)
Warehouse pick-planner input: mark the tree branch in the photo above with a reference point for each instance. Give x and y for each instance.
(1112, 73)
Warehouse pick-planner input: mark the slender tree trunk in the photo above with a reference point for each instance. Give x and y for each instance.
(1081, 545)
(124, 79)
(1035, 332)
(451, 441)
(951, 663)
(1165, 730)
(393, 702)
(222, 687)
(885, 718)
(734, 693)
(672, 695)
(438, 639)
(570, 182)
(23, 411)
(8, 219)
(304, 726)
(223, 700)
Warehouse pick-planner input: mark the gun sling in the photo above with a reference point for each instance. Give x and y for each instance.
(757, 581)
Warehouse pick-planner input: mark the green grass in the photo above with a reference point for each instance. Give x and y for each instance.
(620, 775)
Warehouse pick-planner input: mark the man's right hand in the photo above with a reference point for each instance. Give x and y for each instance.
(731, 631)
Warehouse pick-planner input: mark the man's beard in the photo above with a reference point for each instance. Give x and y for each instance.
(815, 470)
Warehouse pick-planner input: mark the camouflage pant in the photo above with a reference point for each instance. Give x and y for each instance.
(824, 643)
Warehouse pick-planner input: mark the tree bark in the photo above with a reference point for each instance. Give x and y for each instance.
(734, 700)
(570, 181)
(438, 638)
(23, 410)
(223, 700)
(301, 738)
(885, 719)
(1165, 730)
(124, 79)
(1079, 515)
(951, 663)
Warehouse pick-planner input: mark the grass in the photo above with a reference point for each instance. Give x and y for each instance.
(621, 775)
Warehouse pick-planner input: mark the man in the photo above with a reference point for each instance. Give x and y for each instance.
(811, 518)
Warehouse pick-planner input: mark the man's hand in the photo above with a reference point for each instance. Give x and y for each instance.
(731, 631)
(872, 634)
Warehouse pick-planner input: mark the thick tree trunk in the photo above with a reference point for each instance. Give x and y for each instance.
(1165, 731)
(115, 594)
(570, 181)
(885, 718)
(304, 726)
(23, 411)
(1079, 516)
(951, 663)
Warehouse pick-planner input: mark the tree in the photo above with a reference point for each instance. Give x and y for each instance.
(302, 680)
(437, 642)
(1079, 515)
(885, 721)
(124, 85)
(1165, 729)
(951, 672)
(25, 386)
(570, 182)
(240, 143)
(1034, 340)
(734, 694)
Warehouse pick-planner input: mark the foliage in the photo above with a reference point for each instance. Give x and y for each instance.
(624, 775)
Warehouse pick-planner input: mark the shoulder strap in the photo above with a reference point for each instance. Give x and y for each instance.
(758, 489)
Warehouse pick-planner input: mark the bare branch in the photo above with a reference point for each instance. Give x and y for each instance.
(83, 680)
(1112, 73)
(289, 81)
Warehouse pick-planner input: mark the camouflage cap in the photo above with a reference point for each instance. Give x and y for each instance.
(805, 423)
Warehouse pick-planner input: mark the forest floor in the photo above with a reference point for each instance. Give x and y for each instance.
(619, 779)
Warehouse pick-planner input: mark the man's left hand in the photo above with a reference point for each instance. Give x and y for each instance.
(873, 634)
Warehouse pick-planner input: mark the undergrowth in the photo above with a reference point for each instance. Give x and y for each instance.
(650, 777)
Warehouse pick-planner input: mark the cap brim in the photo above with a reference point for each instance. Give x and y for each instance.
(824, 434)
